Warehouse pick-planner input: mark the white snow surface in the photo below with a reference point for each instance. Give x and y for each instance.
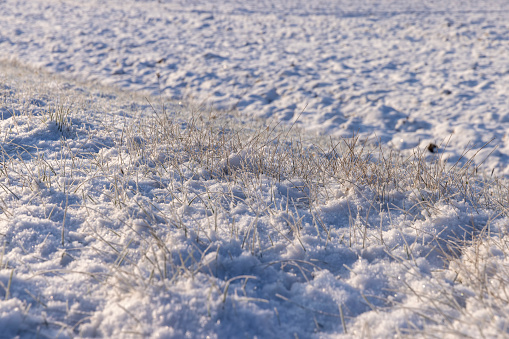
(92, 237)
(406, 72)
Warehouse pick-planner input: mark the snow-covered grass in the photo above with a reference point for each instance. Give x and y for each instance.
(123, 215)
(409, 72)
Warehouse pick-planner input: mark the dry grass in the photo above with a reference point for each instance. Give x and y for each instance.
(164, 172)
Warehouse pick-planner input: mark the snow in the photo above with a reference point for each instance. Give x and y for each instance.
(410, 73)
(130, 206)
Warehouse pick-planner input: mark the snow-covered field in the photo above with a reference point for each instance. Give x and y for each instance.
(409, 72)
(124, 213)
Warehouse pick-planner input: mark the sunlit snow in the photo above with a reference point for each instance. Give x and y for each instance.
(254, 169)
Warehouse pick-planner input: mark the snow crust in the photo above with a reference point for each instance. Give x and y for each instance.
(410, 73)
(98, 243)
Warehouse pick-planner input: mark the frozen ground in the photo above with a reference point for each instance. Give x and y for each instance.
(124, 217)
(409, 72)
